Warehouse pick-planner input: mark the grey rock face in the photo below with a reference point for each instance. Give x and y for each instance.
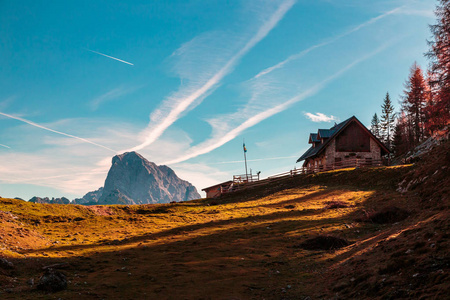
(90, 198)
(133, 179)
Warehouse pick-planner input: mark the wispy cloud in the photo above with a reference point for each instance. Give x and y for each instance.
(1, 145)
(115, 58)
(320, 117)
(58, 171)
(62, 164)
(67, 175)
(426, 12)
(201, 175)
(327, 42)
(71, 169)
(55, 131)
(7, 102)
(220, 124)
(252, 160)
(111, 95)
(174, 107)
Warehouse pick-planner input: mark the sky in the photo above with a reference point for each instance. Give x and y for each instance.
(184, 83)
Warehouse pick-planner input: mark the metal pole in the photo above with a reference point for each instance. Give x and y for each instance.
(245, 159)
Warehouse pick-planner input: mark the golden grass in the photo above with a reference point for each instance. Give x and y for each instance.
(235, 247)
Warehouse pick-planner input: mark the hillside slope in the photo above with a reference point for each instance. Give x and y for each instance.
(375, 241)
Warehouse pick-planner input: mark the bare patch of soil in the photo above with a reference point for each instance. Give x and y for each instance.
(324, 242)
(387, 215)
(336, 204)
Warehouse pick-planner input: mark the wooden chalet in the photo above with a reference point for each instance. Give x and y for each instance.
(347, 144)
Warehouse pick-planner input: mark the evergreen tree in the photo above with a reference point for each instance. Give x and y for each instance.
(375, 127)
(387, 120)
(398, 140)
(440, 66)
(401, 143)
(414, 101)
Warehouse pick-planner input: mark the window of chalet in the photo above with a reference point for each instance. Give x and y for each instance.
(353, 139)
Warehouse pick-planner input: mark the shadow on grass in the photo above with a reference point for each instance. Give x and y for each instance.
(327, 192)
(253, 260)
(219, 224)
(181, 230)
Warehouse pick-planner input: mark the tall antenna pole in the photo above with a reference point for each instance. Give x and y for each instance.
(245, 159)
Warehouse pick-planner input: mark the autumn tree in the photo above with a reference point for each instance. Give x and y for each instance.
(439, 53)
(375, 126)
(432, 122)
(414, 101)
(387, 120)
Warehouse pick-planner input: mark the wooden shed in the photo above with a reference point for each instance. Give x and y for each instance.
(216, 190)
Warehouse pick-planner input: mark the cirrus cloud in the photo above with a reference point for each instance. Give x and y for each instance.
(320, 117)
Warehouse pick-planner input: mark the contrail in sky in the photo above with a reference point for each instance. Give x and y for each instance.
(5, 146)
(154, 131)
(55, 177)
(332, 40)
(258, 159)
(125, 62)
(223, 138)
(58, 132)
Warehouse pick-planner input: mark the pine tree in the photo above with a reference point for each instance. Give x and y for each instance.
(375, 127)
(398, 140)
(414, 101)
(387, 120)
(401, 143)
(440, 66)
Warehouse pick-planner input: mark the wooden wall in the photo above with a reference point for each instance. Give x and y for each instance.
(353, 139)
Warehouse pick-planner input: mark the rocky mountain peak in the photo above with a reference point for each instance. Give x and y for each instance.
(128, 157)
(133, 179)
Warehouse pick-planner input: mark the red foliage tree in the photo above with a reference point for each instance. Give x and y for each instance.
(439, 110)
(414, 102)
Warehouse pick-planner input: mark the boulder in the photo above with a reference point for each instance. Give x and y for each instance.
(52, 281)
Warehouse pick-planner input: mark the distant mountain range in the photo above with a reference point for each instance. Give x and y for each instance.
(132, 179)
(62, 200)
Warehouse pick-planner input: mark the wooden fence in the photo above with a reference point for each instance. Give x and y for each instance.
(245, 178)
(253, 180)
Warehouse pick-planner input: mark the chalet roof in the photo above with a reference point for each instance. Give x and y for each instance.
(331, 134)
(325, 133)
(226, 183)
(313, 138)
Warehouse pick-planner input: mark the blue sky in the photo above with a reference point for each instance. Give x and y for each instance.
(184, 82)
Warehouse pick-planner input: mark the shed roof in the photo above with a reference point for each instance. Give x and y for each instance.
(219, 184)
